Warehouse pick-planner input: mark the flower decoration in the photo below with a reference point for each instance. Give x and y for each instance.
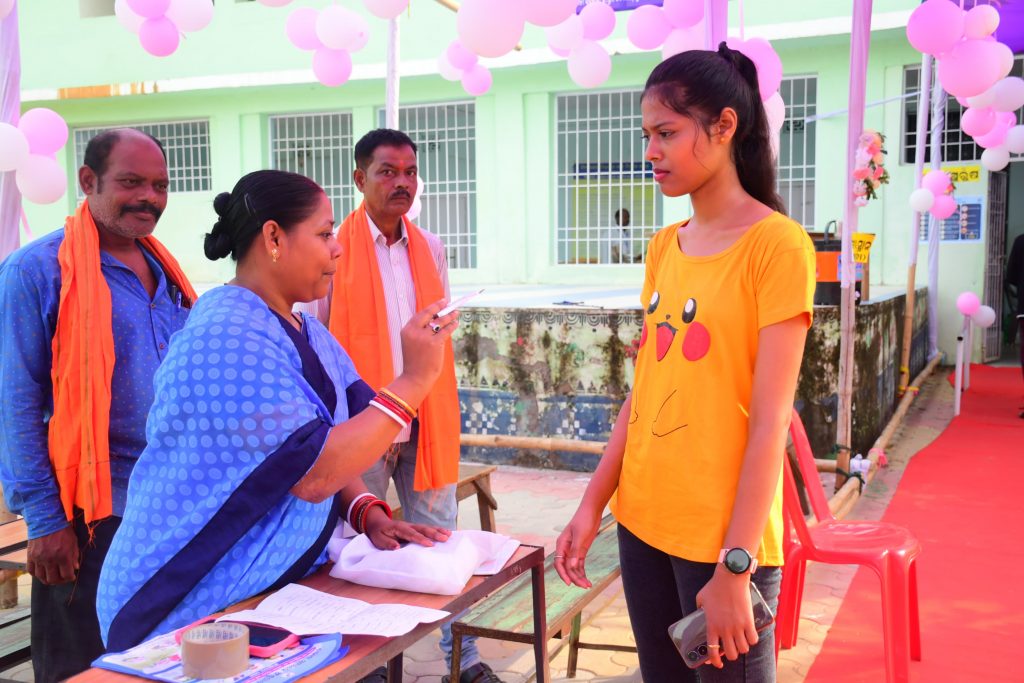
(869, 167)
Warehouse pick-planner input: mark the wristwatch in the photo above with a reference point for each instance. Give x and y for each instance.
(738, 560)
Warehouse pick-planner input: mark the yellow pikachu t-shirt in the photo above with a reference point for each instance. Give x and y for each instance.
(693, 383)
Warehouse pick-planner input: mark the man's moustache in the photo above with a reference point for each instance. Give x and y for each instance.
(142, 208)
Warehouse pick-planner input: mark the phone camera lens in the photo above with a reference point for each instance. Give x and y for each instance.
(692, 655)
(703, 650)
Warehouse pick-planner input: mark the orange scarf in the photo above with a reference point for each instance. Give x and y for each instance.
(359, 321)
(83, 365)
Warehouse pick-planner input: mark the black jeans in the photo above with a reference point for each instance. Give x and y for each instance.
(660, 590)
(65, 630)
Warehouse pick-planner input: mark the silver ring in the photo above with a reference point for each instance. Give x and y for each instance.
(435, 327)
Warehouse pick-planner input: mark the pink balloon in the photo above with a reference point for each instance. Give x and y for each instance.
(191, 15)
(559, 51)
(589, 64)
(684, 13)
(386, 9)
(150, 9)
(332, 67)
(301, 28)
(977, 122)
(981, 21)
(767, 61)
(598, 21)
(490, 28)
(968, 303)
(682, 40)
(460, 57)
(41, 180)
(936, 181)
(996, 136)
(648, 27)
(567, 35)
(159, 37)
(935, 27)
(943, 207)
(971, 67)
(477, 80)
(547, 12)
(44, 129)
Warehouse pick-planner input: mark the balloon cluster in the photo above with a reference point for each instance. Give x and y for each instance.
(577, 38)
(974, 67)
(492, 28)
(30, 149)
(869, 167)
(969, 304)
(417, 204)
(935, 195)
(160, 23)
(6, 7)
(676, 26)
(332, 35)
(459, 63)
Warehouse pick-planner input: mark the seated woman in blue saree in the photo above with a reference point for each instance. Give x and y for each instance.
(258, 433)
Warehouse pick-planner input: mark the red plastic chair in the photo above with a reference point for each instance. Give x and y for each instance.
(890, 550)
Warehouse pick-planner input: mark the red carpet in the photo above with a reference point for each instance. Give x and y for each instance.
(963, 497)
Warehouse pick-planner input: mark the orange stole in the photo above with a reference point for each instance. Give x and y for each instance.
(83, 366)
(359, 321)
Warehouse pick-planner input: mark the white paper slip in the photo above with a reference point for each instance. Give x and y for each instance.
(305, 611)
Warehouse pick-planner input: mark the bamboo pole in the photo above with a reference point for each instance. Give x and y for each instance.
(844, 498)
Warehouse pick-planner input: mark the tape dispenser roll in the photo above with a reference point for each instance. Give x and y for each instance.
(215, 650)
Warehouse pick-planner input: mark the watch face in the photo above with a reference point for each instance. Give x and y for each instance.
(737, 561)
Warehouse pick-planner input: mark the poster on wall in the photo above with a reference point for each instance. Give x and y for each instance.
(965, 225)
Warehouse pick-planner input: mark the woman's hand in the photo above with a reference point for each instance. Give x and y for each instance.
(388, 534)
(572, 546)
(423, 348)
(725, 600)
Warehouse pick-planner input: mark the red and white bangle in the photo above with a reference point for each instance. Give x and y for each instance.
(360, 512)
(398, 416)
(352, 507)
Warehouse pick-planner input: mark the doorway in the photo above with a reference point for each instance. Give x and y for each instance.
(1013, 228)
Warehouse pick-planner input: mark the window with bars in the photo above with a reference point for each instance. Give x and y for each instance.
(187, 144)
(797, 148)
(608, 202)
(319, 146)
(956, 144)
(445, 135)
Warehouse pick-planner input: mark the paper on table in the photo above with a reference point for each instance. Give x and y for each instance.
(305, 611)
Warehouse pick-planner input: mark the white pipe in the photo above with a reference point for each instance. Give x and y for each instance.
(392, 87)
(958, 375)
(968, 354)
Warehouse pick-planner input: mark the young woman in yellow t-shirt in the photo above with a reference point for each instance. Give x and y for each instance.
(693, 465)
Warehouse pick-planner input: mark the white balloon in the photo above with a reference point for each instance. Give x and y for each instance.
(567, 35)
(129, 19)
(490, 28)
(41, 180)
(274, 3)
(1015, 140)
(995, 158)
(985, 316)
(445, 68)
(13, 147)
(683, 39)
(191, 15)
(775, 109)
(386, 9)
(981, 21)
(547, 12)
(981, 101)
(921, 199)
(5, 8)
(589, 64)
(1008, 94)
(414, 209)
(339, 28)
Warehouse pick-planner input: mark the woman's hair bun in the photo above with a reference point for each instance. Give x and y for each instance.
(221, 202)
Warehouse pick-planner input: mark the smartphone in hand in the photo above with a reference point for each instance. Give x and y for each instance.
(690, 634)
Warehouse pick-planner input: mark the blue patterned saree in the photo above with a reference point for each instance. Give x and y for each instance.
(243, 406)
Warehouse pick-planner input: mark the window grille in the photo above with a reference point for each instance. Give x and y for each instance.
(319, 146)
(608, 202)
(956, 144)
(187, 144)
(445, 135)
(796, 168)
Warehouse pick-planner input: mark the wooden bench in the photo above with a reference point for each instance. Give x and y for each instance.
(506, 615)
(473, 480)
(13, 544)
(15, 624)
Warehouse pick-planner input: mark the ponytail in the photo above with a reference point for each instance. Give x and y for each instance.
(699, 84)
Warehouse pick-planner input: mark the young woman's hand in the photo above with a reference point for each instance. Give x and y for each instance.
(725, 600)
(389, 534)
(573, 544)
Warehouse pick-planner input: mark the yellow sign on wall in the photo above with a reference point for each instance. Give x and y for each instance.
(862, 246)
(961, 174)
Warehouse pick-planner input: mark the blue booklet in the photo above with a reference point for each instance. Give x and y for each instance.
(159, 659)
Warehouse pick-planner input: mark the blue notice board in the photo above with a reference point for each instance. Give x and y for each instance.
(967, 223)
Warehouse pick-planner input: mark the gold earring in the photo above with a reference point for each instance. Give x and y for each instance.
(274, 253)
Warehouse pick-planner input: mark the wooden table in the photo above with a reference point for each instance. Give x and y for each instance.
(366, 653)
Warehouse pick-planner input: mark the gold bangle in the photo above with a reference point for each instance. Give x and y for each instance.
(405, 406)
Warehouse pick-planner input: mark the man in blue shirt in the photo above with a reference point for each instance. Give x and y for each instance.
(125, 181)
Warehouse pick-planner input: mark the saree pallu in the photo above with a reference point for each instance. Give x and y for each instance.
(235, 424)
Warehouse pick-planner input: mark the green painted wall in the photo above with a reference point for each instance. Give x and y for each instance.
(514, 123)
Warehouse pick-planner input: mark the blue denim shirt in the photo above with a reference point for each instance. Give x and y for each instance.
(29, 294)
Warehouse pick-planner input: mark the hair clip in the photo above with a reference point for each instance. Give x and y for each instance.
(248, 205)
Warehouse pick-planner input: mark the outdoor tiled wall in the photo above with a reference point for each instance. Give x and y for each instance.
(563, 373)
